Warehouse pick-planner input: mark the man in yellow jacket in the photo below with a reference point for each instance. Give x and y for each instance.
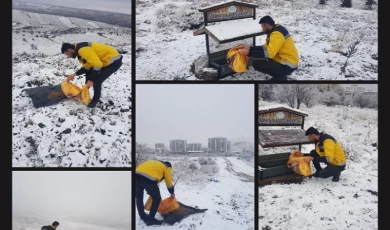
(278, 57)
(99, 61)
(327, 150)
(148, 175)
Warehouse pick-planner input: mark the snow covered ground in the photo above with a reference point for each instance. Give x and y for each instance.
(77, 200)
(352, 203)
(99, 137)
(31, 222)
(322, 34)
(229, 201)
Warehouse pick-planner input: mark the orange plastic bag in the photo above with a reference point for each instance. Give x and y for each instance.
(236, 61)
(167, 205)
(72, 90)
(298, 164)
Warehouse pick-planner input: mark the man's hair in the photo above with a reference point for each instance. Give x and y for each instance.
(267, 19)
(66, 46)
(168, 164)
(312, 130)
(55, 223)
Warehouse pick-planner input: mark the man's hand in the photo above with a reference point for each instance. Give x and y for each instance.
(89, 83)
(70, 77)
(243, 52)
(298, 154)
(308, 159)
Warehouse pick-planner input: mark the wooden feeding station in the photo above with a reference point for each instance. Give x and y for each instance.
(227, 22)
(273, 168)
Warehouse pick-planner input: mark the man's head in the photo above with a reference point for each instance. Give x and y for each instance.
(168, 164)
(312, 134)
(267, 23)
(68, 50)
(55, 224)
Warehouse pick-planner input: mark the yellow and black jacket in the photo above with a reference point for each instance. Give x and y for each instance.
(330, 151)
(94, 56)
(279, 47)
(49, 227)
(156, 170)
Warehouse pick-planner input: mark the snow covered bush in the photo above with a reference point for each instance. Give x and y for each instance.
(180, 18)
(202, 161)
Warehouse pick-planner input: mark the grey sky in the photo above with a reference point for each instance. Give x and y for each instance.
(119, 6)
(194, 113)
(88, 195)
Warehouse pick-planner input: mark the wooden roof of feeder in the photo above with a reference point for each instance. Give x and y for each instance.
(227, 3)
(272, 108)
(232, 30)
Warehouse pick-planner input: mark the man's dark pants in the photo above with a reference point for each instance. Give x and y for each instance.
(105, 72)
(142, 183)
(329, 170)
(278, 71)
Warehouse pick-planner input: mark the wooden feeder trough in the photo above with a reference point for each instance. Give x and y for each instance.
(244, 27)
(273, 168)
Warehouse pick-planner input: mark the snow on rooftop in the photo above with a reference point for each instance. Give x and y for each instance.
(225, 2)
(271, 107)
(233, 29)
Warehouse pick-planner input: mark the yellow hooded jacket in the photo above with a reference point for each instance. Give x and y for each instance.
(279, 47)
(156, 170)
(330, 150)
(94, 55)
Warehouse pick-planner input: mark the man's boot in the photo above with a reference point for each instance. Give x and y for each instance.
(93, 103)
(336, 178)
(153, 221)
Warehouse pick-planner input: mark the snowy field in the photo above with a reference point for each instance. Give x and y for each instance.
(31, 222)
(322, 34)
(229, 201)
(352, 203)
(67, 134)
(77, 200)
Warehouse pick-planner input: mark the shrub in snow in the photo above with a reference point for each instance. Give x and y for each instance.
(322, 2)
(211, 161)
(193, 166)
(202, 161)
(364, 101)
(181, 18)
(369, 4)
(346, 3)
(330, 99)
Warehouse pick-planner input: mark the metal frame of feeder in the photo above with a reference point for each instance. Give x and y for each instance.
(223, 69)
(276, 164)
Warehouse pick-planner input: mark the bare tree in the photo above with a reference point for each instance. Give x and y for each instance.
(142, 154)
(304, 93)
(286, 94)
(296, 94)
(267, 92)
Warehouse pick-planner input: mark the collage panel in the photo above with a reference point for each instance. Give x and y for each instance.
(195, 156)
(274, 40)
(76, 200)
(71, 83)
(318, 156)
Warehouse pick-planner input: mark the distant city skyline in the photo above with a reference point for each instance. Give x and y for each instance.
(368, 87)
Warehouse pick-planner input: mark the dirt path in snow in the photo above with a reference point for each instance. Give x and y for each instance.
(243, 177)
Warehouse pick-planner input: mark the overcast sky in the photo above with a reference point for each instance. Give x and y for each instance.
(89, 195)
(119, 6)
(193, 113)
